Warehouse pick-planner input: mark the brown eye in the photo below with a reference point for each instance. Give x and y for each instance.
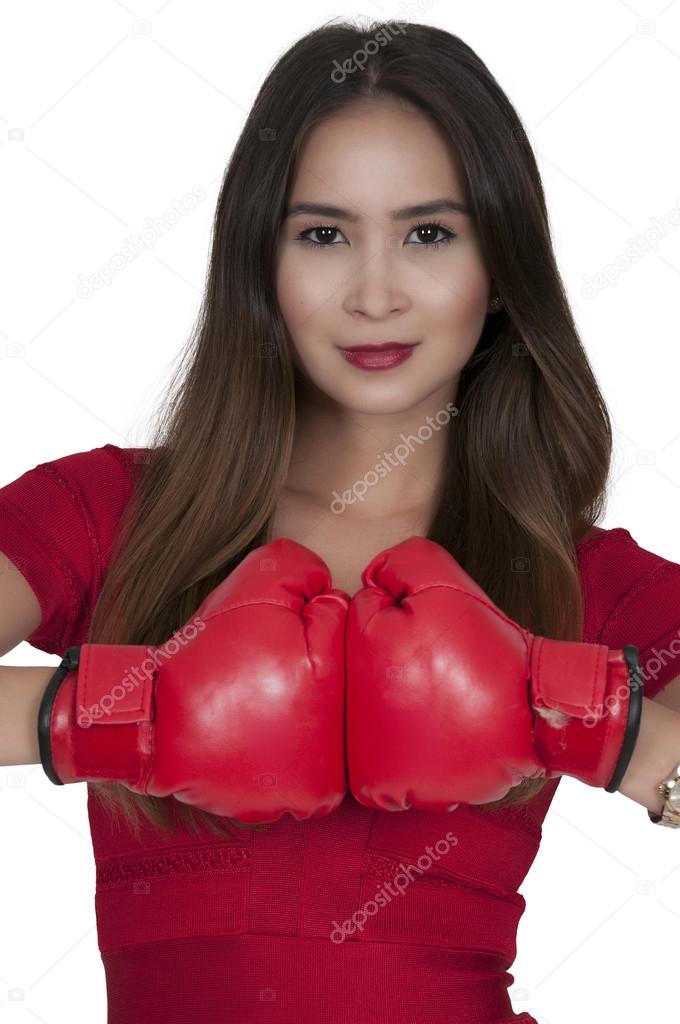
(429, 227)
(327, 228)
(433, 227)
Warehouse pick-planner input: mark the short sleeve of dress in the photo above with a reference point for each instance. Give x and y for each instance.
(638, 592)
(58, 521)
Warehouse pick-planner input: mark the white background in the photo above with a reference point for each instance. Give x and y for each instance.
(109, 112)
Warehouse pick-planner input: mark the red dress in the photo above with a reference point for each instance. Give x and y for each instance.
(281, 925)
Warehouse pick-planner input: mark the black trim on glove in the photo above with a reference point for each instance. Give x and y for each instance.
(636, 685)
(69, 663)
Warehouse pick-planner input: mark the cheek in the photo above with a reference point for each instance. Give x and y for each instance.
(301, 295)
(463, 300)
(298, 300)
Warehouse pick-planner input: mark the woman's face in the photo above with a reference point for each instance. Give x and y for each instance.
(372, 278)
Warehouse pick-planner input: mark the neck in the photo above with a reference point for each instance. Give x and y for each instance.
(369, 466)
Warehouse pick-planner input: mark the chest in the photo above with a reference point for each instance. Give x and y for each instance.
(346, 545)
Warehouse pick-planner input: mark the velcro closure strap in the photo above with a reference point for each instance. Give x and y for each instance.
(568, 676)
(115, 684)
(582, 696)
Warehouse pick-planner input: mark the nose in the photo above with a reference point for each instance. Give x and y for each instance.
(378, 287)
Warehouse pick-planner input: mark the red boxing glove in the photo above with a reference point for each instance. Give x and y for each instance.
(449, 701)
(240, 713)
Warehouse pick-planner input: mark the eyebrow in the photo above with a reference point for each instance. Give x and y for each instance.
(404, 213)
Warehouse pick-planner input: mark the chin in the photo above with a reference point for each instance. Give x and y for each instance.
(378, 401)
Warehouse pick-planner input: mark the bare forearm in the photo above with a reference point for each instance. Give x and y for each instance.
(656, 753)
(21, 690)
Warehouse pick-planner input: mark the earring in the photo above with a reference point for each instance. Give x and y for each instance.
(495, 304)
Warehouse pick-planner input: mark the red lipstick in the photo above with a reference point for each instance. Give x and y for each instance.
(379, 357)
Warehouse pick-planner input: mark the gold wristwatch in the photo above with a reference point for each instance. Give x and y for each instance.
(670, 791)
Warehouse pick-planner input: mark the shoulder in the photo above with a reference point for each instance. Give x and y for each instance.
(632, 596)
(614, 567)
(58, 522)
(109, 462)
(89, 487)
(90, 482)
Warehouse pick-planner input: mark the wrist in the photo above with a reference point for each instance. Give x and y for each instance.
(655, 757)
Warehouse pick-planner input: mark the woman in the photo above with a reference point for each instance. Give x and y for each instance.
(385, 356)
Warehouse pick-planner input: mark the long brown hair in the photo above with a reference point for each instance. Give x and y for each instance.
(528, 451)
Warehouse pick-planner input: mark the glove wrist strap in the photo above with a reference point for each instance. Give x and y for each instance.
(588, 701)
(95, 720)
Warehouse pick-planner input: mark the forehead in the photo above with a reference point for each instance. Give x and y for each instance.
(382, 154)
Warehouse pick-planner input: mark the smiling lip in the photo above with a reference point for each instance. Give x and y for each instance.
(378, 357)
(385, 346)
